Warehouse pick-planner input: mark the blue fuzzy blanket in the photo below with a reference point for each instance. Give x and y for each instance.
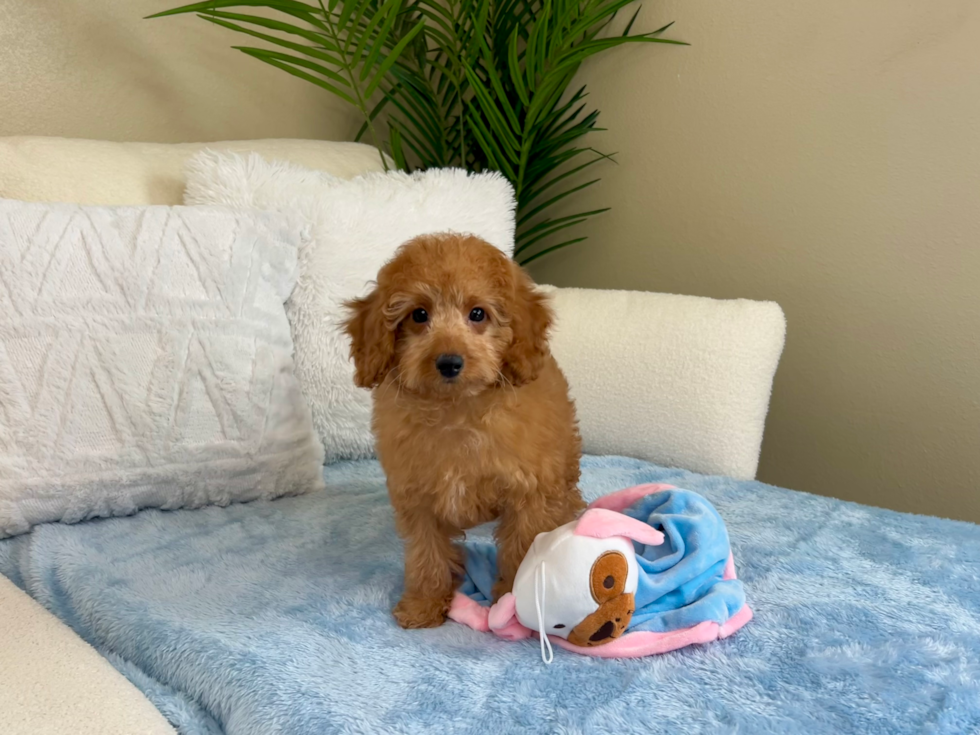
(273, 617)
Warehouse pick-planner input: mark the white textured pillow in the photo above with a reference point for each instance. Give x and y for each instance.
(356, 227)
(145, 361)
(682, 381)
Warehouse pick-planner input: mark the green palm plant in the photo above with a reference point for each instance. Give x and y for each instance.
(477, 84)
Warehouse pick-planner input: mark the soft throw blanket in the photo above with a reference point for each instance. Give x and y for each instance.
(273, 617)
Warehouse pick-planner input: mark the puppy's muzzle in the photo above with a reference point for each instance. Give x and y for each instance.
(449, 366)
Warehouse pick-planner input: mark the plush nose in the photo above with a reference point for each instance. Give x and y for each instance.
(604, 632)
(449, 365)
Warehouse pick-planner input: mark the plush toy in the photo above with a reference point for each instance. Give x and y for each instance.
(645, 570)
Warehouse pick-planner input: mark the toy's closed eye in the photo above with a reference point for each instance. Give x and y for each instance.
(608, 576)
(559, 625)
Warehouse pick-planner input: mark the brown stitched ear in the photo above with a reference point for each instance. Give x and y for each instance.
(372, 341)
(608, 577)
(530, 319)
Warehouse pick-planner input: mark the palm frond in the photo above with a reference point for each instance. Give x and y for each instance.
(479, 84)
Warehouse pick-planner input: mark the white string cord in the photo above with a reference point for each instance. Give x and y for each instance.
(539, 604)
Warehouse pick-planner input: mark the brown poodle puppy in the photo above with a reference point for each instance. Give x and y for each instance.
(471, 414)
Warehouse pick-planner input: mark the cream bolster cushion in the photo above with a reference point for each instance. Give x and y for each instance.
(41, 169)
(52, 682)
(681, 381)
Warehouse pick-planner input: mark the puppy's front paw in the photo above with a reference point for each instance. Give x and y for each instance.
(421, 612)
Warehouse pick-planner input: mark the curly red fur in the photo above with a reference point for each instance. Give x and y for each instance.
(372, 342)
(497, 442)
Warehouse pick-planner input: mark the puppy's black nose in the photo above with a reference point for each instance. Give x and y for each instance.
(449, 365)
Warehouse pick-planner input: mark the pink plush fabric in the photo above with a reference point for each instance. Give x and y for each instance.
(469, 612)
(646, 643)
(602, 523)
(626, 497)
(503, 612)
(501, 617)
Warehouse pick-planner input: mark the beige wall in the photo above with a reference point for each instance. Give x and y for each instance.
(95, 69)
(827, 156)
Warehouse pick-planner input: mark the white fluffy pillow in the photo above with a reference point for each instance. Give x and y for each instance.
(356, 227)
(145, 361)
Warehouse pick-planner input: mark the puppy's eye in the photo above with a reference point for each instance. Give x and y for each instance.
(477, 315)
(420, 316)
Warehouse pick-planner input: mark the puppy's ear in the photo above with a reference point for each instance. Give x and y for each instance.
(372, 340)
(530, 320)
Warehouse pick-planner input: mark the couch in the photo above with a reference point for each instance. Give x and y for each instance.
(689, 388)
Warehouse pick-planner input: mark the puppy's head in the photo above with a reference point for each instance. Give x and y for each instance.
(450, 315)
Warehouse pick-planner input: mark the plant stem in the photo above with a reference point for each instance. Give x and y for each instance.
(459, 90)
(361, 105)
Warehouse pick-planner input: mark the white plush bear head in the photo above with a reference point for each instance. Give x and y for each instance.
(578, 581)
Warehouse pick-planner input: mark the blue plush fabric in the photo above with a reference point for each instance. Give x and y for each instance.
(273, 617)
(680, 581)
